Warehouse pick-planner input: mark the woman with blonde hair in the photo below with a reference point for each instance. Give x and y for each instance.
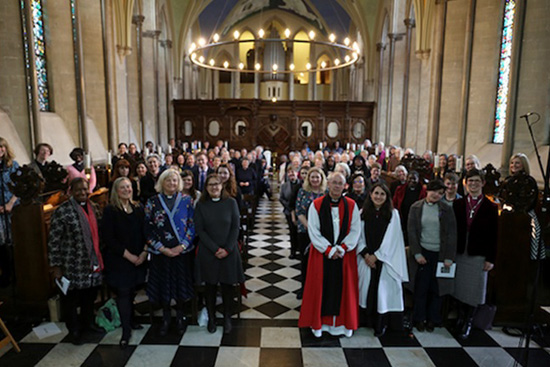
(125, 251)
(314, 186)
(169, 231)
(7, 201)
(519, 163)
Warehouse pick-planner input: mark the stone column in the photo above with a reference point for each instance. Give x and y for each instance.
(438, 73)
(380, 47)
(393, 38)
(154, 35)
(80, 82)
(312, 84)
(515, 68)
(290, 51)
(110, 101)
(34, 115)
(466, 72)
(236, 76)
(167, 45)
(409, 23)
(138, 21)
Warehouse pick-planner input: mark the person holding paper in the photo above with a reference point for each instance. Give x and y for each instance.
(125, 251)
(381, 259)
(432, 240)
(477, 228)
(73, 251)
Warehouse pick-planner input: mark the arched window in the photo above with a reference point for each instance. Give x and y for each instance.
(39, 49)
(323, 76)
(301, 57)
(504, 71)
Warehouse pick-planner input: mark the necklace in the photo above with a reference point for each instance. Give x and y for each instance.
(473, 208)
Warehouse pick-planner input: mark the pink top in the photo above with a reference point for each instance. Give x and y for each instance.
(73, 173)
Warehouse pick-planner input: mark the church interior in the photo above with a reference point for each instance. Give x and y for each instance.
(423, 77)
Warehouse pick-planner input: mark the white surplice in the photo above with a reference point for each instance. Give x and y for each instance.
(394, 270)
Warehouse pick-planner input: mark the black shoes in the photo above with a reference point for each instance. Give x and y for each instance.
(136, 326)
(164, 327)
(211, 325)
(75, 338)
(181, 325)
(430, 326)
(419, 325)
(379, 332)
(227, 325)
(466, 330)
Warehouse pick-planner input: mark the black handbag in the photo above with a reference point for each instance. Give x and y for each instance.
(484, 316)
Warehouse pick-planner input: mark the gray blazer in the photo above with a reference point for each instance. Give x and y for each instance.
(447, 223)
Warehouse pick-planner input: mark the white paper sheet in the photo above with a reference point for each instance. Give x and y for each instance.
(46, 330)
(445, 272)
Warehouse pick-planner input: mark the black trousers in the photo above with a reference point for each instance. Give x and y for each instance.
(303, 243)
(427, 302)
(293, 233)
(125, 305)
(83, 298)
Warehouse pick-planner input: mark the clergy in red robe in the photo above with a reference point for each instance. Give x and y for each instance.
(330, 302)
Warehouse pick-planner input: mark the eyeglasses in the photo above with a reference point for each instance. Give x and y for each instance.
(215, 184)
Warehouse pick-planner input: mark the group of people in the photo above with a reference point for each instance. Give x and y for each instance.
(173, 219)
(379, 237)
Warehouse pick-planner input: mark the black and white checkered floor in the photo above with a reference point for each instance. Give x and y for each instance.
(267, 333)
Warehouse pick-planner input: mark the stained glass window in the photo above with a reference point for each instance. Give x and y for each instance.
(39, 47)
(504, 71)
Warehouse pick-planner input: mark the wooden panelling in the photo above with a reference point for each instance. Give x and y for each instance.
(276, 125)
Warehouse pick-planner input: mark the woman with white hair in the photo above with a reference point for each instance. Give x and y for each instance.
(169, 232)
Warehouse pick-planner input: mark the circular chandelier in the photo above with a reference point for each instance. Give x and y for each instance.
(348, 51)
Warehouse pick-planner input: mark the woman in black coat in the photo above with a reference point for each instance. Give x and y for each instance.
(125, 251)
(217, 225)
(477, 229)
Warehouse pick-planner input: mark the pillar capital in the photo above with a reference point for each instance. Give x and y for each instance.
(151, 34)
(380, 46)
(138, 19)
(410, 23)
(395, 36)
(166, 43)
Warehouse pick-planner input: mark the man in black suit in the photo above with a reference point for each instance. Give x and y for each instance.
(201, 170)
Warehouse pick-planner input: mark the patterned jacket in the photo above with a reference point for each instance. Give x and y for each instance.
(66, 247)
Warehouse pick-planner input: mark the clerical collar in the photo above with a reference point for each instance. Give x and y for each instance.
(216, 199)
(82, 203)
(335, 202)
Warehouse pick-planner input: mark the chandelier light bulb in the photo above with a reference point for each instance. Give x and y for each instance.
(216, 37)
(236, 34)
(356, 46)
(212, 62)
(202, 42)
(273, 99)
(241, 66)
(354, 55)
(332, 37)
(201, 59)
(311, 35)
(347, 58)
(323, 64)
(261, 33)
(193, 56)
(192, 48)
(287, 33)
(226, 64)
(258, 66)
(346, 41)
(337, 62)
(291, 66)
(308, 66)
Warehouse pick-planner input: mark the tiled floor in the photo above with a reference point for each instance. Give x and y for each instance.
(267, 333)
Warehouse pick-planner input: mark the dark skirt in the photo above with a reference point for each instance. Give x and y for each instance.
(170, 278)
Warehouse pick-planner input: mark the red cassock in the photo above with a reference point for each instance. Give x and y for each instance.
(310, 312)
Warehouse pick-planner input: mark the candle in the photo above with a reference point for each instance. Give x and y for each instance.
(225, 144)
(87, 160)
(200, 144)
(387, 152)
(159, 149)
(109, 158)
(347, 146)
(353, 146)
(321, 145)
(459, 163)
(436, 160)
(376, 150)
(169, 149)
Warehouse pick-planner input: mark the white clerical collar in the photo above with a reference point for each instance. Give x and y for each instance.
(216, 199)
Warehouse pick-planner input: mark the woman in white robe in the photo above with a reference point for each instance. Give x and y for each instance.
(381, 259)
